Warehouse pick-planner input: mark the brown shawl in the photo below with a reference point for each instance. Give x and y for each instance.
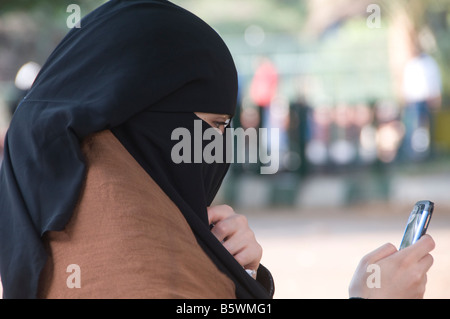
(126, 238)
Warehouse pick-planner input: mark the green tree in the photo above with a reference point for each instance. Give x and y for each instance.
(426, 22)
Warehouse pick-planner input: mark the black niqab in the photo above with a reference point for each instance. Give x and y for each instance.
(139, 68)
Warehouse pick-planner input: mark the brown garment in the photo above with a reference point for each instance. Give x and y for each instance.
(127, 237)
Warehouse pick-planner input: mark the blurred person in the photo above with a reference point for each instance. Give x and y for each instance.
(317, 146)
(364, 120)
(22, 83)
(390, 131)
(422, 95)
(262, 92)
(279, 119)
(247, 118)
(264, 87)
(88, 182)
(2, 142)
(343, 148)
(300, 130)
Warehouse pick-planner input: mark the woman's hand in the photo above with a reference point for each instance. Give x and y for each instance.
(402, 274)
(234, 232)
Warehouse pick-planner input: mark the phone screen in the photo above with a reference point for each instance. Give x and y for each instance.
(417, 223)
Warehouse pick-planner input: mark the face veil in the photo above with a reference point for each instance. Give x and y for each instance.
(193, 182)
(136, 67)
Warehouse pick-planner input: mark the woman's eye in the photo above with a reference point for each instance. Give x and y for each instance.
(219, 124)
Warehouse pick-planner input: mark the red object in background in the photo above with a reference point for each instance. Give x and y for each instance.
(264, 84)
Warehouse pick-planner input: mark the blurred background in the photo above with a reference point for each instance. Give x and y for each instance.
(360, 91)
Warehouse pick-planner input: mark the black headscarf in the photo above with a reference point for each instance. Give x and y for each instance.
(139, 68)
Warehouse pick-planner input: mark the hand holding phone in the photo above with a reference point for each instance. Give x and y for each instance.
(398, 270)
(417, 223)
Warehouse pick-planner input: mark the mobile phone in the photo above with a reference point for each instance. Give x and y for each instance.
(417, 223)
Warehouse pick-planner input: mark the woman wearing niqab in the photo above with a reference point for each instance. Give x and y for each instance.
(87, 178)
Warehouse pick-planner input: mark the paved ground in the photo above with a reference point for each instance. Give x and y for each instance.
(312, 253)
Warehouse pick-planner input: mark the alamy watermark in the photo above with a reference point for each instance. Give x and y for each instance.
(74, 279)
(374, 279)
(251, 145)
(373, 21)
(74, 19)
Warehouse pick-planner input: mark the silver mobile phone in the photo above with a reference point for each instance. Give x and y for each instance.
(417, 223)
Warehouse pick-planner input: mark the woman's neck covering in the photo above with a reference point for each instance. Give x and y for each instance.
(139, 68)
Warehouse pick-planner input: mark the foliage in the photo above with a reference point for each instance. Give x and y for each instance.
(235, 15)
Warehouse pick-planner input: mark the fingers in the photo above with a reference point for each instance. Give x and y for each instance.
(226, 222)
(248, 258)
(426, 262)
(245, 249)
(403, 274)
(379, 253)
(239, 240)
(228, 227)
(420, 249)
(418, 276)
(218, 213)
(233, 231)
